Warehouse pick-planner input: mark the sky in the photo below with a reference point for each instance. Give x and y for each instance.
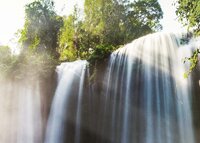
(170, 22)
(12, 16)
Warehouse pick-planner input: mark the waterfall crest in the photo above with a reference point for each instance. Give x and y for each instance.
(147, 99)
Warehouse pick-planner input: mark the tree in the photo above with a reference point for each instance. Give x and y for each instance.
(25, 65)
(188, 12)
(7, 61)
(106, 25)
(143, 17)
(42, 25)
(117, 22)
(69, 37)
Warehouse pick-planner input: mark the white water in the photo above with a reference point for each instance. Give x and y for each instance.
(152, 93)
(20, 112)
(145, 98)
(70, 83)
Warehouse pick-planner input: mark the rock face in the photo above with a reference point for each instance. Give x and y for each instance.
(195, 102)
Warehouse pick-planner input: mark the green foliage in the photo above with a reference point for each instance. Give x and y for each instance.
(105, 25)
(68, 38)
(119, 22)
(108, 23)
(188, 12)
(7, 60)
(39, 41)
(193, 61)
(4, 52)
(143, 18)
(26, 65)
(101, 52)
(41, 28)
(35, 43)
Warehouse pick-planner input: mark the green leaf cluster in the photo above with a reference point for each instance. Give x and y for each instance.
(27, 64)
(41, 28)
(7, 61)
(100, 53)
(193, 60)
(47, 38)
(110, 23)
(92, 35)
(188, 12)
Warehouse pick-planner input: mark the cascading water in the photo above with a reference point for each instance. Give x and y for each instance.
(147, 99)
(67, 103)
(20, 112)
(144, 99)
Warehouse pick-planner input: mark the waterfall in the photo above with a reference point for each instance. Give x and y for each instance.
(144, 98)
(67, 101)
(20, 112)
(147, 99)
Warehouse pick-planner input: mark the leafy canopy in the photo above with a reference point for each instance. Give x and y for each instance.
(41, 27)
(188, 12)
(107, 23)
(104, 27)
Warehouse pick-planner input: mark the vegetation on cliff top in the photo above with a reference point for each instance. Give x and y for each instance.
(104, 26)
